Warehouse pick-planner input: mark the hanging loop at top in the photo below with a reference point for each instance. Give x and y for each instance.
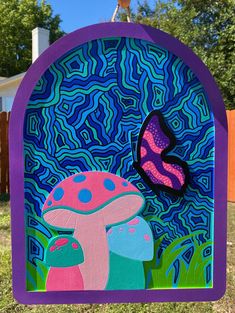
(125, 4)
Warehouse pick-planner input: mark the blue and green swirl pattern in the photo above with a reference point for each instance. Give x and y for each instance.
(85, 114)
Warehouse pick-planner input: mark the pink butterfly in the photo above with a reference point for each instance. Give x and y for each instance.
(159, 170)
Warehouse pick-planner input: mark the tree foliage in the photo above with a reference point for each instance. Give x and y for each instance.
(18, 19)
(207, 26)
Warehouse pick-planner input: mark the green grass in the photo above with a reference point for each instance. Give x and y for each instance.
(163, 274)
(9, 305)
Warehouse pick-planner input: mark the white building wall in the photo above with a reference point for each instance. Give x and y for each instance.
(7, 93)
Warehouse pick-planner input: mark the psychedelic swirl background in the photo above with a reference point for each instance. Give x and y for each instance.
(85, 113)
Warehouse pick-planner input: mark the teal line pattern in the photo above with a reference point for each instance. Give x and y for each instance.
(85, 114)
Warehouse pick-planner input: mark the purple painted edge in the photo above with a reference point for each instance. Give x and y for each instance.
(55, 51)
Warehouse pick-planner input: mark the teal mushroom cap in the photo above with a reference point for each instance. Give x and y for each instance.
(64, 251)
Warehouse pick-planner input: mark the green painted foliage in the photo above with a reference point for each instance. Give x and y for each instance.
(162, 273)
(36, 276)
(37, 273)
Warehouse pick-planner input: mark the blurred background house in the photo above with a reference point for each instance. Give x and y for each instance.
(9, 85)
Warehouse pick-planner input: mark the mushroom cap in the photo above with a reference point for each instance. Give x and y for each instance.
(87, 193)
(133, 240)
(64, 251)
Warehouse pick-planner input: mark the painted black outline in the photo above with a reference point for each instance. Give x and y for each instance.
(168, 159)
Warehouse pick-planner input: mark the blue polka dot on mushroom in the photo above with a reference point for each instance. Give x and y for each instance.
(49, 202)
(125, 184)
(58, 194)
(85, 195)
(79, 178)
(109, 184)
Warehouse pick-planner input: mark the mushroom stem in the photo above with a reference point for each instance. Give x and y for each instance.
(64, 278)
(91, 233)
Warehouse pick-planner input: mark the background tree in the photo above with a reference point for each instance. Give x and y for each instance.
(207, 26)
(18, 19)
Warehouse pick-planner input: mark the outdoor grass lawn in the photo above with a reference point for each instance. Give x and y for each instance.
(9, 305)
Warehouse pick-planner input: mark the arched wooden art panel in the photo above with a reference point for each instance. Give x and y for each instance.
(118, 145)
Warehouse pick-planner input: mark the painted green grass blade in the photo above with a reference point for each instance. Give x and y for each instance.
(36, 270)
(36, 276)
(172, 270)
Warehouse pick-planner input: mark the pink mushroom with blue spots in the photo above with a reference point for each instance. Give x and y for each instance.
(88, 203)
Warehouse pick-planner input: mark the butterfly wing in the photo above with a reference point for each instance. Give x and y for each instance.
(159, 170)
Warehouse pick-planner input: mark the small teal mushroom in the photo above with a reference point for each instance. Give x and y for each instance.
(63, 255)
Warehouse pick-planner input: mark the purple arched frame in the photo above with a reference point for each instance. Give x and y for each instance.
(55, 51)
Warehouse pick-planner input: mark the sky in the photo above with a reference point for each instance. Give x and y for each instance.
(79, 13)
